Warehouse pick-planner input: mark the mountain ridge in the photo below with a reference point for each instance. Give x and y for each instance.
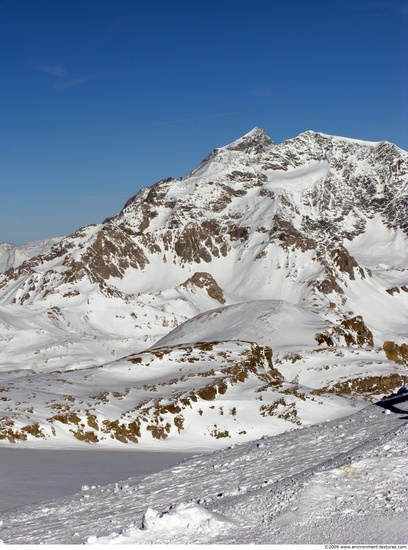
(316, 224)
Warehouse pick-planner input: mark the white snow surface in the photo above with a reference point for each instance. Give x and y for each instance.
(337, 482)
(352, 140)
(380, 246)
(297, 180)
(265, 322)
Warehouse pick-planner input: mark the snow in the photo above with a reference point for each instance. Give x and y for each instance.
(243, 322)
(379, 246)
(341, 482)
(352, 140)
(386, 317)
(297, 180)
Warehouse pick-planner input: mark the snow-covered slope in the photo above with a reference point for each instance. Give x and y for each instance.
(270, 281)
(246, 320)
(341, 481)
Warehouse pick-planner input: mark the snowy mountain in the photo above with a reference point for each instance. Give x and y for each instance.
(12, 256)
(266, 288)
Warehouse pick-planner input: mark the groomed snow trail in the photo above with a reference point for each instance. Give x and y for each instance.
(342, 481)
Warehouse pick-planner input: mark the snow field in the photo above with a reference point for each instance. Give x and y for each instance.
(341, 481)
(205, 385)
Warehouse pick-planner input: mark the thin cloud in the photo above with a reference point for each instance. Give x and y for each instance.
(64, 79)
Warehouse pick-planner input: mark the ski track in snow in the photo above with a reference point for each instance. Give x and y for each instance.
(341, 481)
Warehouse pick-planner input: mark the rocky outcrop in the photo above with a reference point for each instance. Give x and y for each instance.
(206, 281)
(396, 353)
(351, 332)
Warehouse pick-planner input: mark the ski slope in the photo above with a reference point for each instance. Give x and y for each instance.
(341, 481)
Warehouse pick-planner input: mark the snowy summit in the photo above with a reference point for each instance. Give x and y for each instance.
(263, 294)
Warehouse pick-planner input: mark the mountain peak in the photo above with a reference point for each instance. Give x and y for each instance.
(301, 243)
(254, 141)
(256, 133)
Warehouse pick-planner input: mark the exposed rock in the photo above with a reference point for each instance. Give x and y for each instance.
(396, 289)
(353, 332)
(396, 353)
(368, 385)
(206, 281)
(201, 242)
(356, 333)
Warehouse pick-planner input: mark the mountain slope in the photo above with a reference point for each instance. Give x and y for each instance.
(286, 263)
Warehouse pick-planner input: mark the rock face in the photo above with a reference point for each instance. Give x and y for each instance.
(317, 222)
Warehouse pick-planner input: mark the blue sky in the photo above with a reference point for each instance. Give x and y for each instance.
(102, 97)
